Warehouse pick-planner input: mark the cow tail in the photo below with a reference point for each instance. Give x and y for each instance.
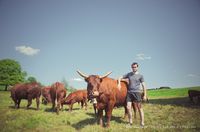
(41, 95)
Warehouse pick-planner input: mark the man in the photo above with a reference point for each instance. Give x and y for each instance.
(135, 80)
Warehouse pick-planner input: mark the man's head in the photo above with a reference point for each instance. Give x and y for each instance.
(134, 66)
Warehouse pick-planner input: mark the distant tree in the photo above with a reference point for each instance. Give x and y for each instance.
(65, 83)
(31, 79)
(11, 73)
(67, 86)
(71, 89)
(165, 87)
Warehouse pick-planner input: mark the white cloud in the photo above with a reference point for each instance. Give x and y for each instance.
(142, 56)
(27, 50)
(77, 79)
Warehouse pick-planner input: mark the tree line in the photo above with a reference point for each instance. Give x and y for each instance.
(11, 73)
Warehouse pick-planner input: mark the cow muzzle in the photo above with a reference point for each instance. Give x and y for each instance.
(95, 93)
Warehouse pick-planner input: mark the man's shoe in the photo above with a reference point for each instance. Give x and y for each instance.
(142, 125)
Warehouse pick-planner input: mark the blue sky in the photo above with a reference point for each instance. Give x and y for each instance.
(53, 38)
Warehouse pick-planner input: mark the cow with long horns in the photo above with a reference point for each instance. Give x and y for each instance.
(107, 94)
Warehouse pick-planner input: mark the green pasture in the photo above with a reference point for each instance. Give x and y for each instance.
(168, 110)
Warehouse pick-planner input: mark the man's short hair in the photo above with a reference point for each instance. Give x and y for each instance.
(135, 63)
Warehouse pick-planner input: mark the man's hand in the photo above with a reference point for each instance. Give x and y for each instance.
(144, 98)
(119, 86)
(144, 91)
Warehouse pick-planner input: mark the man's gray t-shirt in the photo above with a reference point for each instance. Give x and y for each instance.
(134, 82)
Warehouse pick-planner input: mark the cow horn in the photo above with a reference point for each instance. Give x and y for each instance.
(82, 74)
(108, 73)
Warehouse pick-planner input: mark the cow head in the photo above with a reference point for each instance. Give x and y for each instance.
(46, 98)
(93, 83)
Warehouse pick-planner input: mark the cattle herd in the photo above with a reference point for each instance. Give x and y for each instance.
(55, 94)
(101, 90)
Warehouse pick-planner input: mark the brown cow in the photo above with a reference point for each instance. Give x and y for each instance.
(107, 93)
(77, 96)
(46, 97)
(194, 94)
(58, 93)
(27, 91)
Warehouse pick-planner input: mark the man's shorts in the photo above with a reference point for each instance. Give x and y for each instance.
(134, 97)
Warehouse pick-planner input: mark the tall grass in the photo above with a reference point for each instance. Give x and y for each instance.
(167, 111)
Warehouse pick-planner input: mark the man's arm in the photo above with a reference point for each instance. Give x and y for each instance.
(144, 90)
(121, 79)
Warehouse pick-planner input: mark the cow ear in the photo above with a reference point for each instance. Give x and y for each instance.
(86, 79)
(101, 79)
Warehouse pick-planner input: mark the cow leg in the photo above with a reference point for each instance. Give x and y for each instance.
(190, 97)
(62, 101)
(106, 110)
(53, 100)
(43, 100)
(53, 105)
(18, 103)
(58, 106)
(71, 107)
(38, 102)
(109, 113)
(100, 117)
(62, 106)
(95, 108)
(199, 99)
(82, 103)
(85, 104)
(195, 99)
(29, 102)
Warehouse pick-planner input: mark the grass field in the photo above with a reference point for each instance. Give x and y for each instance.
(168, 110)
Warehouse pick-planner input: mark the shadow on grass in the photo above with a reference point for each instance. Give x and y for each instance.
(179, 101)
(50, 110)
(74, 109)
(91, 121)
(81, 124)
(115, 118)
